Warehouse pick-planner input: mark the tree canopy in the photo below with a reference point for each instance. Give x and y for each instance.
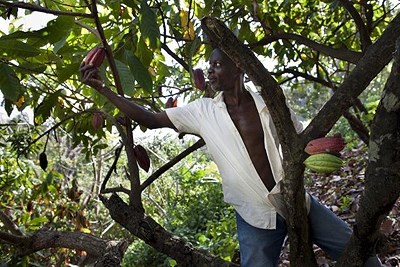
(335, 62)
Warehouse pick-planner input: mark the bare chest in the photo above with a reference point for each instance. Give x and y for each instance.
(247, 122)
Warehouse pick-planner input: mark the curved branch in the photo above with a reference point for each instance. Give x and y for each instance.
(112, 168)
(375, 59)
(95, 247)
(340, 53)
(9, 224)
(116, 190)
(55, 126)
(174, 56)
(148, 230)
(355, 123)
(13, 239)
(171, 163)
(306, 76)
(364, 35)
(43, 9)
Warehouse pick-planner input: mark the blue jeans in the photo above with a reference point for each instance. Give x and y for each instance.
(262, 247)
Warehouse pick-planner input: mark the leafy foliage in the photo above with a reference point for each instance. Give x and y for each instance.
(154, 46)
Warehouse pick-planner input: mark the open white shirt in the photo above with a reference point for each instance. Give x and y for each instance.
(242, 186)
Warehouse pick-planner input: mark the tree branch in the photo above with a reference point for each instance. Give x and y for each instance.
(382, 187)
(362, 29)
(9, 224)
(375, 59)
(145, 228)
(171, 163)
(95, 247)
(43, 10)
(12, 238)
(342, 53)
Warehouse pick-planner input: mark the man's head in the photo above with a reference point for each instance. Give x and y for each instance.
(223, 74)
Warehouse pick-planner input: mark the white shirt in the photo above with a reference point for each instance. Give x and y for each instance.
(242, 186)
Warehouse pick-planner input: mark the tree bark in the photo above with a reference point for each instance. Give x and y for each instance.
(148, 230)
(376, 57)
(382, 187)
(99, 251)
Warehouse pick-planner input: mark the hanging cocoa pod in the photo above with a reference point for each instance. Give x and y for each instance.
(43, 160)
(198, 79)
(171, 102)
(328, 144)
(97, 120)
(29, 206)
(95, 57)
(323, 163)
(142, 157)
(89, 56)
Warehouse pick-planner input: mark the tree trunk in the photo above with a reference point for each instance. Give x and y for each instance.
(382, 186)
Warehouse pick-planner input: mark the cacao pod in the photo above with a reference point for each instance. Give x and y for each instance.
(43, 160)
(328, 144)
(95, 57)
(97, 120)
(199, 80)
(171, 102)
(142, 157)
(323, 163)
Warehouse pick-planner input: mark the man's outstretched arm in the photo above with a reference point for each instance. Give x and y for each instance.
(139, 114)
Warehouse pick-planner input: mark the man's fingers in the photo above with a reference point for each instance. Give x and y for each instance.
(84, 67)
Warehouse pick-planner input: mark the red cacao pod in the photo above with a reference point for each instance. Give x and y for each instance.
(171, 102)
(199, 80)
(95, 57)
(328, 144)
(89, 56)
(97, 120)
(142, 157)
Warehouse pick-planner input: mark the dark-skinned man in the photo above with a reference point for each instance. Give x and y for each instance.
(241, 139)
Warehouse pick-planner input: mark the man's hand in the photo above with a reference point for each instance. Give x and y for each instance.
(90, 75)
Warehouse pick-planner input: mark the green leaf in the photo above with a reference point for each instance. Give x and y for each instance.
(42, 112)
(67, 71)
(144, 53)
(58, 29)
(126, 77)
(15, 48)
(9, 83)
(38, 220)
(148, 25)
(140, 73)
(8, 106)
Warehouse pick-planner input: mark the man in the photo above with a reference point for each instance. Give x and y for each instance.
(241, 138)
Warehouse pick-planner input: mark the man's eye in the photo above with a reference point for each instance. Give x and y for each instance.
(217, 64)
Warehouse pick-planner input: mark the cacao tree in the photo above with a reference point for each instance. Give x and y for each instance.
(326, 55)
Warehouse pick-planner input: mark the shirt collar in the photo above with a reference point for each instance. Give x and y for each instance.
(259, 101)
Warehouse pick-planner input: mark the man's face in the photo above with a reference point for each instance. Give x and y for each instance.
(222, 72)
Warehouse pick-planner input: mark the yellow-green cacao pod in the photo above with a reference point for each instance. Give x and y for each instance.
(323, 163)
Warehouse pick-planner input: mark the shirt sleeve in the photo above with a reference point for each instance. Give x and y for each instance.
(296, 121)
(186, 119)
